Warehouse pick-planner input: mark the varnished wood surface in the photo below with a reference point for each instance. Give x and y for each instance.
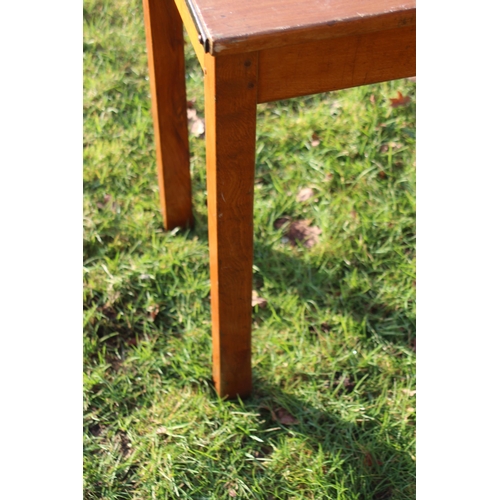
(191, 30)
(165, 45)
(339, 63)
(230, 114)
(250, 25)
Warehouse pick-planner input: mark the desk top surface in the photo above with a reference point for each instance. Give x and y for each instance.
(246, 25)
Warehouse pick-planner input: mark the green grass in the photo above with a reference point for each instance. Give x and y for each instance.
(335, 345)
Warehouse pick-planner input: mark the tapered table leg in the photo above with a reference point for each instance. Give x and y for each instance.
(230, 114)
(165, 44)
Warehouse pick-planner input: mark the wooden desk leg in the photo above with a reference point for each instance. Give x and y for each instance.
(165, 44)
(230, 114)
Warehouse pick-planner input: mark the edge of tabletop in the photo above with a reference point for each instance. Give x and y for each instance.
(217, 44)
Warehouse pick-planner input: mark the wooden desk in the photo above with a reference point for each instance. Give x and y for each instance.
(252, 52)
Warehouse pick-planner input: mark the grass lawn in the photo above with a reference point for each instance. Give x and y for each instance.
(332, 415)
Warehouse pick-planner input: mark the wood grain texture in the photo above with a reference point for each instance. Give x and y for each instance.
(165, 43)
(335, 64)
(233, 26)
(230, 115)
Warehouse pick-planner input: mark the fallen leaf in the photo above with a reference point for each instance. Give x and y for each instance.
(300, 230)
(231, 489)
(304, 194)
(195, 123)
(410, 393)
(372, 99)
(198, 127)
(280, 415)
(369, 461)
(400, 100)
(153, 311)
(345, 380)
(281, 221)
(104, 201)
(382, 174)
(283, 417)
(394, 145)
(258, 301)
(315, 140)
(161, 430)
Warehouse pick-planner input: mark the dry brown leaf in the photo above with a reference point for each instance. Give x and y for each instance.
(104, 201)
(400, 100)
(198, 127)
(304, 194)
(408, 392)
(281, 221)
(231, 489)
(191, 114)
(195, 123)
(283, 416)
(300, 230)
(394, 145)
(280, 415)
(369, 461)
(153, 311)
(315, 140)
(258, 301)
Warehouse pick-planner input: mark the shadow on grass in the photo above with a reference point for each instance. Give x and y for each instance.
(329, 287)
(379, 467)
(374, 459)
